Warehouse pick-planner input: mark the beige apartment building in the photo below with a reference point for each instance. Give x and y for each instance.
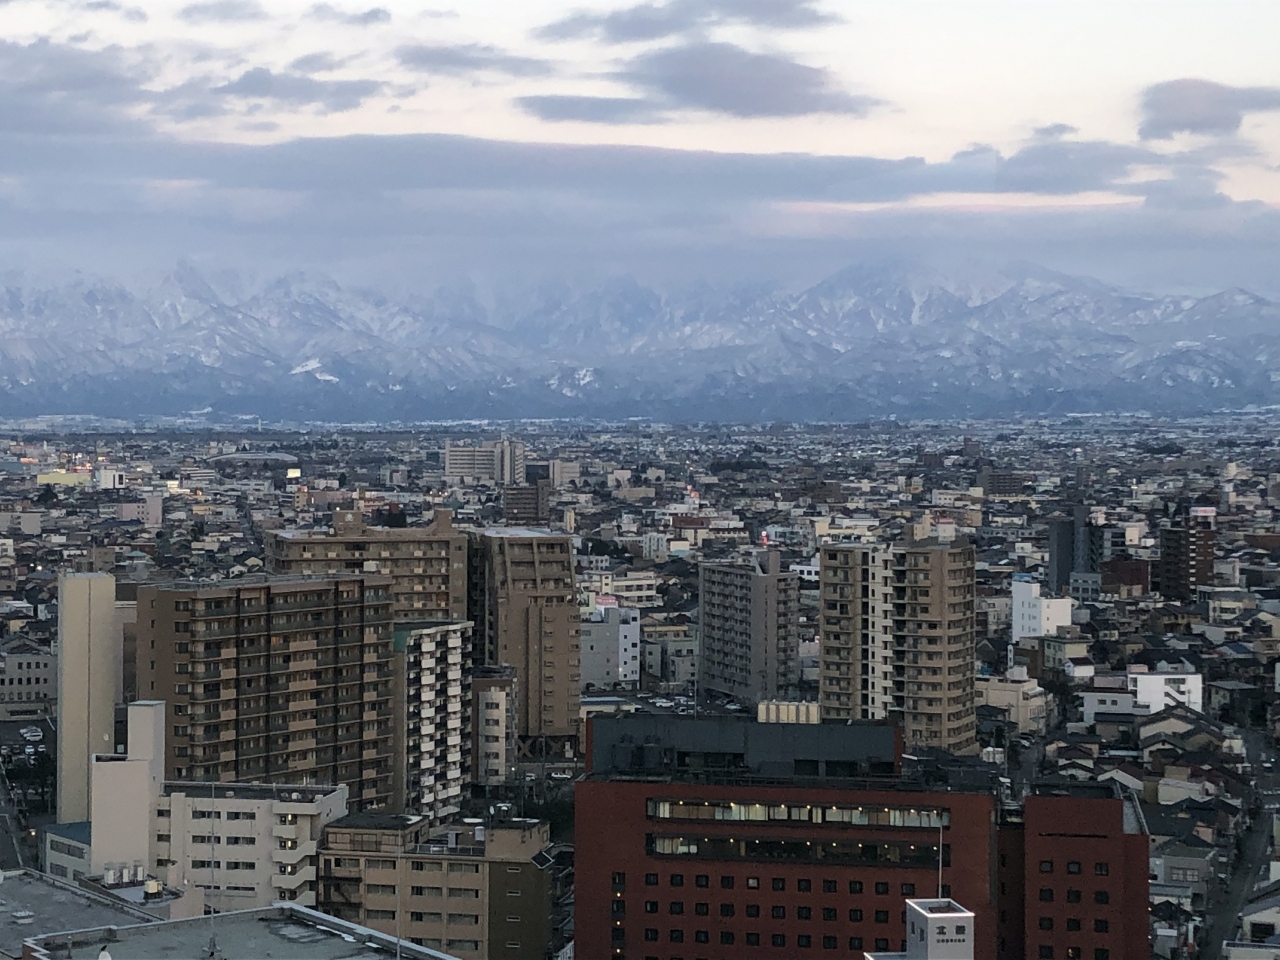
(526, 615)
(275, 679)
(897, 638)
(472, 890)
(494, 745)
(427, 565)
(750, 628)
(90, 681)
(243, 845)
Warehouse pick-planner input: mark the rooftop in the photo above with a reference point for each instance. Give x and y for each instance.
(284, 793)
(34, 905)
(282, 932)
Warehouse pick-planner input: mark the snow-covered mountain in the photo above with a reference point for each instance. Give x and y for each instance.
(870, 340)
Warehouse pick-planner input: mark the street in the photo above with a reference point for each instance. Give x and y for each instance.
(1225, 914)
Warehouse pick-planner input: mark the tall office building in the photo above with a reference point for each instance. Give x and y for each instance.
(897, 637)
(427, 565)
(1186, 554)
(750, 628)
(90, 678)
(275, 679)
(438, 716)
(494, 745)
(525, 607)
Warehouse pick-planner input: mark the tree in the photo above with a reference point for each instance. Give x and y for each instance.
(47, 495)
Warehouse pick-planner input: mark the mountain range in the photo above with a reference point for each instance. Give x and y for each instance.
(869, 341)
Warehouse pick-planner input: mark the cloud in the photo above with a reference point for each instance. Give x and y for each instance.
(1055, 130)
(590, 109)
(223, 11)
(652, 21)
(320, 62)
(135, 14)
(725, 78)
(54, 89)
(467, 59)
(325, 11)
(334, 96)
(1192, 105)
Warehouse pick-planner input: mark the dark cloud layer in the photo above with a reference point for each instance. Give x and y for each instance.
(334, 96)
(591, 109)
(653, 21)
(1193, 105)
(467, 59)
(360, 18)
(725, 78)
(223, 11)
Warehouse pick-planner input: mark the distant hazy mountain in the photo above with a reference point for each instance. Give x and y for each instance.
(868, 341)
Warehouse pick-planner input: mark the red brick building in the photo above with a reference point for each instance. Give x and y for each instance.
(725, 839)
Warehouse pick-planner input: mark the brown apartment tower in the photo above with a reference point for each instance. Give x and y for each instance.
(274, 679)
(897, 638)
(427, 565)
(525, 607)
(1186, 555)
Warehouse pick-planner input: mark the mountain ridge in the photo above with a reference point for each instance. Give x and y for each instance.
(872, 339)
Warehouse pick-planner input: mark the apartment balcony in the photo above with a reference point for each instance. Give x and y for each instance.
(287, 881)
(306, 848)
(285, 831)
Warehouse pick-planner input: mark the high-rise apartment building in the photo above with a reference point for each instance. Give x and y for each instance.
(897, 638)
(427, 565)
(501, 461)
(1186, 554)
(275, 679)
(473, 890)
(527, 504)
(610, 645)
(750, 628)
(438, 716)
(526, 614)
(90, 679)
(494, 745)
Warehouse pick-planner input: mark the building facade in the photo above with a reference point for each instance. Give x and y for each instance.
(750, 623)
(90, 682)
(427, 565)
(472, 890)
(438, 713)
(277, 679)
(901, 616)
(610, 645)
(526, 615)
(1034, 615)
(494, 744)
(1186, 555)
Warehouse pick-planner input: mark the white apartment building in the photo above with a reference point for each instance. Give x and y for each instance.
(437, 715)
(244, 845)
(1166, 687)
(1034, 615)
(609, 643)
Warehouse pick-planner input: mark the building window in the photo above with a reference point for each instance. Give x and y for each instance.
(675, 907)
(1073, 896)
(1046, 895)
(753, 939)
(804, 886)
(702, 880)
(778, 940)
(804, 940)
(619, 879)
(753, 910)
(651, 933)
(677, 880)
(651, 906)
(855, 916)
(1073, 866)
(753, 883)
(726, 883)
(1101, 926)
(855, 943)
(830, 943)
(882, 889)
(726, 909)
(882, 916)
(650, 879)
(908, 889)
(676, 936)
(830, 886)
(779, 883)
(701, 909)
(778, 913)
(1046, 952)
(855, 886)
(726, 937)
(1046, 866)
(1102, 869)
(1101, 953)
(1101, 896)
(1046, 923)
(829, 913)
(1073, 924)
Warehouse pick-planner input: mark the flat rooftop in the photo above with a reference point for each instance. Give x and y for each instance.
(285, 793)
(281, 932)
(32, 906)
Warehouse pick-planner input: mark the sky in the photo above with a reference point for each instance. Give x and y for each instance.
(678, 141)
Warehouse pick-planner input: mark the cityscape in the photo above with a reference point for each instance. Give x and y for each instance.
(508, 689)
(639, 480)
